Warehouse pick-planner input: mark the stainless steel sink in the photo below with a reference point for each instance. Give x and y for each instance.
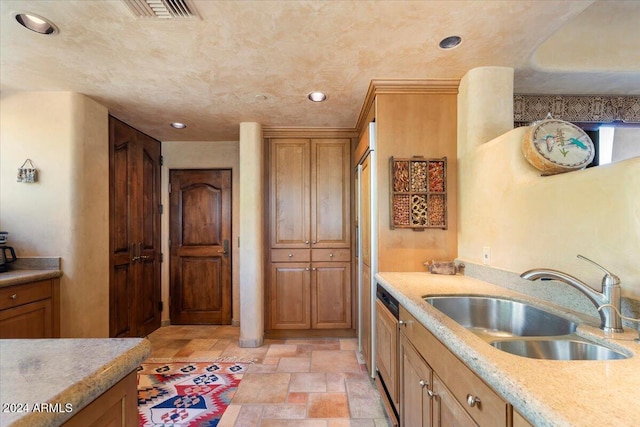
(497, 317)
(558, 349)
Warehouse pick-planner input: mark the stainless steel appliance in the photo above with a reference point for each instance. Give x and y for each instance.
(7, 256)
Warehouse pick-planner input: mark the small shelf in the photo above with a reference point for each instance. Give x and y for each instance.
(418, 193)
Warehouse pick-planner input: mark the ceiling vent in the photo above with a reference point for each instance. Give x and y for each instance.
(163, 9)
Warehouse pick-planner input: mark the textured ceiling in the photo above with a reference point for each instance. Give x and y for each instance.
(208, 72)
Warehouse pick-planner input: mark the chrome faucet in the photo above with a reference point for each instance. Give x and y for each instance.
(607, 302)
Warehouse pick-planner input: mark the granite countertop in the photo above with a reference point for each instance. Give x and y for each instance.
(18, 277)
(546, 392)
(25, 270)
(68, 372)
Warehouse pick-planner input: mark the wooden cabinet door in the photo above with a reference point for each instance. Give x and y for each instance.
(331, 295)
(31, 320)
(290, 193)
(415, 382)
(446, 409)
(289, 295)
(387, 349)
(330, 193)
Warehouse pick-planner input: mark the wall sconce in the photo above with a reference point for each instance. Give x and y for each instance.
(27, 173)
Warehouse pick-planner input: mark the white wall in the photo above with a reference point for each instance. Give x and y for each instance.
(532, 221)
(66, 213)
(202, 155)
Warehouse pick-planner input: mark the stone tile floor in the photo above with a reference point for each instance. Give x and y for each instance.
(291, 382)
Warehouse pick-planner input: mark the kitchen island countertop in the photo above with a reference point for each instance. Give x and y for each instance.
(547, 392)
(66, 374)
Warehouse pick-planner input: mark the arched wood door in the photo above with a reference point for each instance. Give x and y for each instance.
(200, 230)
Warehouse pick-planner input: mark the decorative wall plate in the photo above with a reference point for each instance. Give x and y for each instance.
(555, 146)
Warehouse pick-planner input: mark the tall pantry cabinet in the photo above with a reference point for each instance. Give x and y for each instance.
(309, 205)
(401, 119)
(134, 231)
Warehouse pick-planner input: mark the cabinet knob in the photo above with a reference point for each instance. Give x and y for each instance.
(306, 242)
(314, 242)
(314, 269)
(422, 383)
(330, 255)
(431, 393)
(306, 269)
(473, 400)
(14, 296)
(403, 322)
(290, 255)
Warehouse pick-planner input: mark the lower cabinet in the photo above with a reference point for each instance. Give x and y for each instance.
(437, 389)
(314, 295)
(116, 407)
(30, 310)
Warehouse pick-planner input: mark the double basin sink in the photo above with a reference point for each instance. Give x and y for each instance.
(521, 329)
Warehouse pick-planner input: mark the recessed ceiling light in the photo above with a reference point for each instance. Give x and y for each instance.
(317, 96)
(450, 42)
(36, 23)
(178, 125)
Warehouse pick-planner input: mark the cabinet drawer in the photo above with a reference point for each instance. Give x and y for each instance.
(14, 296)
(292, 255)
(343, 255)
(461, 381)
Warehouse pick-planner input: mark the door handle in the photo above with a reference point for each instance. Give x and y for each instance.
(225, 248)
(140, 256)
(134, 258)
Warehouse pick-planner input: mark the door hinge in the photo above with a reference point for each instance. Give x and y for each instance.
(161, 209)
(169, 188)
(160, 306)
(161, 160)
(161, 257)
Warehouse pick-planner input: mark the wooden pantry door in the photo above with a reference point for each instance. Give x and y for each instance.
(200, 246)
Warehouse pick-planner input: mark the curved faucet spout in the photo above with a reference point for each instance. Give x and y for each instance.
(548, 274)
(611, 294)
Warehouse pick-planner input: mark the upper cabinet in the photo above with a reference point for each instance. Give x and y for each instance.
(309, 193)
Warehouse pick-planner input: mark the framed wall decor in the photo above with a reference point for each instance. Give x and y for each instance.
(418, 193)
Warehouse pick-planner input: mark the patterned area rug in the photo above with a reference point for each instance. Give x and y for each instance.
(184, 394)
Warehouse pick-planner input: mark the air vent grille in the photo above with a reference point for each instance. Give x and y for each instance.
(163, 9)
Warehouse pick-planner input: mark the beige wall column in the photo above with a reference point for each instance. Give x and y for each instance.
(485, 106)
(251, 235)
(66, 213)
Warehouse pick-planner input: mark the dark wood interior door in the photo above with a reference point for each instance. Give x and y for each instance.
(134, 282)
(200, 230)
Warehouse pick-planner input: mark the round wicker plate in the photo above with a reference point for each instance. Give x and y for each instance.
(555, 146)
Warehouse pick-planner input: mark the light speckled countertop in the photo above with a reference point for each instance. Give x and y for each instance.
(18, 277)
(70, 372)
(546, 392)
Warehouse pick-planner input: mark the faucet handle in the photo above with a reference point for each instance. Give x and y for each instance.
(609, 278)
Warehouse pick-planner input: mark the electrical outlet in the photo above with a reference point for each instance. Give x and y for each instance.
(486, 255)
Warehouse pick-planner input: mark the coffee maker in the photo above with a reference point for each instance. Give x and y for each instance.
(7, 254)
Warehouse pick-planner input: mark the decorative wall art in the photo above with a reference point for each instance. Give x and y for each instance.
(418, 193)
(555, 146)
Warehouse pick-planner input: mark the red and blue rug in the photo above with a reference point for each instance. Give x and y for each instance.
(183, 394)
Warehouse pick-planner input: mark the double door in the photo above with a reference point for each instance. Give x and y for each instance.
(134, 223)
(309, 234)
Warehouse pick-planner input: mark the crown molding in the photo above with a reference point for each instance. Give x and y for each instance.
(307, 132)
(403, 86)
